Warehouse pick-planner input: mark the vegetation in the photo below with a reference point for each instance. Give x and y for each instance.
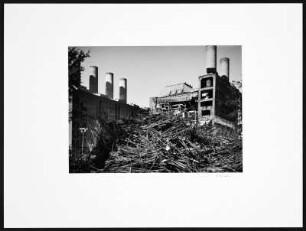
(75, 59)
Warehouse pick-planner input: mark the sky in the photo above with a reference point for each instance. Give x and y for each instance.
(148, 69)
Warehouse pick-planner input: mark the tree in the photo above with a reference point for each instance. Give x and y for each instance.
(75, 58)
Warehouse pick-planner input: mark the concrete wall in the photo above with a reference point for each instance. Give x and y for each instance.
(222, 104)
(88, 109)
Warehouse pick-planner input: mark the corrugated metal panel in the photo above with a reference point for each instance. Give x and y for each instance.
(177, 98)
(176, 89)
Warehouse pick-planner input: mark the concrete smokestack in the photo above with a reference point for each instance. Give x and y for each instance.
(109, 85)
(224, 67)
(211, 59)
(93, 79)
(122, 90)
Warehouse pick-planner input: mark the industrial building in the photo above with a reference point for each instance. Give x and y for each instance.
(87, 107)
(215, 101)
(181, 97)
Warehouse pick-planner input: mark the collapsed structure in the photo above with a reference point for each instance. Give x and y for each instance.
(87, 108)
(216, 100)
(178, 97)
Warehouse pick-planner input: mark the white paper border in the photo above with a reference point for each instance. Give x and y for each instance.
(39, 192)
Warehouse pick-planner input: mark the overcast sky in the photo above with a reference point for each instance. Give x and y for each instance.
(149, 69)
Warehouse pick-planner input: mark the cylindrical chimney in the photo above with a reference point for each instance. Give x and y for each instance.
(211, 57)
(224, 67)
(93, 79)
(123, 90)
(109, 85)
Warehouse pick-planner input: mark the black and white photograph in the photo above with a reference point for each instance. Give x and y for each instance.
(149, 115)
(155, 109)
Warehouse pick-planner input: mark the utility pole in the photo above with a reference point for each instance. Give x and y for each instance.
(83, 130)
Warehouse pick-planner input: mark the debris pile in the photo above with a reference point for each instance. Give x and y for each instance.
(173, 144)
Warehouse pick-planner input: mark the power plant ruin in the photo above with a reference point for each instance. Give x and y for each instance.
(176, 133)
(215, 101)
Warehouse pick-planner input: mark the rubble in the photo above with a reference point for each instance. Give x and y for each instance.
(161, 143)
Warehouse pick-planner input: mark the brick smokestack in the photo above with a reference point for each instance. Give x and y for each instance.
(109, 85)
(211, 59)
(123, 90)
(224, 67)
(93, 79)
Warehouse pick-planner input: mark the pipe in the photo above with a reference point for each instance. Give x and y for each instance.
(93, 79)
(224, 67)
(109, 85)
(123, 90)
(211, 57)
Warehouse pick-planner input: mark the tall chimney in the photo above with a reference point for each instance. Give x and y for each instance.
(224, 67)
(93, 79)
(122, 90)
(109, 85)
(211, 57)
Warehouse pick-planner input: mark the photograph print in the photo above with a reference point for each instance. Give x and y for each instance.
(155, 109)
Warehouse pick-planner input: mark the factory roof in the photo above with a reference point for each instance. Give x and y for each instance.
(176, 89)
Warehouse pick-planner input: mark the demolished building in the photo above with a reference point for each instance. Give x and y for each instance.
(215, 101)
(180, 97)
